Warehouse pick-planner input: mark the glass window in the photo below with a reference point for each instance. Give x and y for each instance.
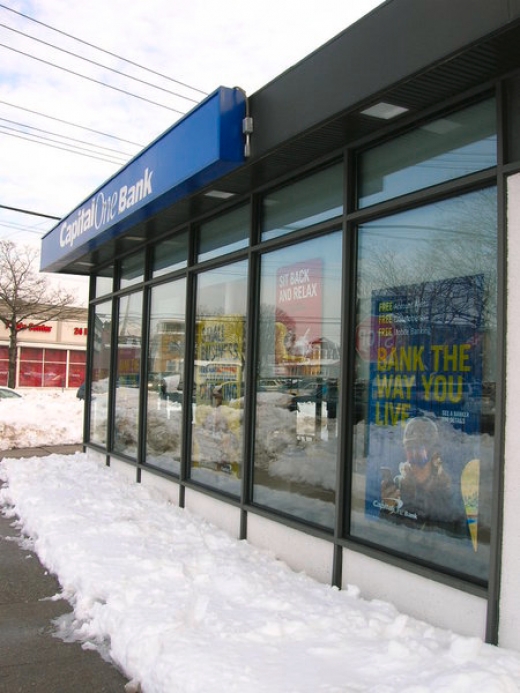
(218, 410)
(31, 367)
(4, 365)
(77, 356)
(128, 367)
(101, 350)
(170, 255)
(104, 281)
(166, 375)
(297, 380)
(132, 270)
(312, 200)
(55, 356)
(225, 234)
(444, 149)
(426, 343)
(54, 375)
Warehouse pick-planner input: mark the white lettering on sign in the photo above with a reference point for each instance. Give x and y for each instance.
(129, 196)
(104, 209)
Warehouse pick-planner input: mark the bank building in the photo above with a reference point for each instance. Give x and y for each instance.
(303, 319)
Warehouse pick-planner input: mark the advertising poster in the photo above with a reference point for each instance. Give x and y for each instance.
(298, 310)
(425, 390)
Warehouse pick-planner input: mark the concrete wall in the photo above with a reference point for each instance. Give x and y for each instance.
(416, 596)
(509, 630)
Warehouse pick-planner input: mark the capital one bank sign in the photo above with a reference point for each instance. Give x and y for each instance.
(204, 145)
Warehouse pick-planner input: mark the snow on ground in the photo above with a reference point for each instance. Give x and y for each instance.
(182, 607)
(41, 417)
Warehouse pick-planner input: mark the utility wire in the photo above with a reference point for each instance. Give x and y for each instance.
(65, 137)
(18, 228)
(65, 149)
(91, 79)
(30, 212)
(94, 62)
(91, 45)
(68, 122)
(72, 147)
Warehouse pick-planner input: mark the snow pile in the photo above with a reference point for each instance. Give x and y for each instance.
(41, 417)
(180, 606)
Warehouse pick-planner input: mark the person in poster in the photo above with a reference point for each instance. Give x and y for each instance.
(423, 494)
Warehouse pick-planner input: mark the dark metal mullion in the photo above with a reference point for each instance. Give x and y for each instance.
(114, 333)
(88, 363)
(143, 378)
(349, 293)
(252, 329)
(188, 374)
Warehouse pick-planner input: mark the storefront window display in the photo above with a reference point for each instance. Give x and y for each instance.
(295, 450)
(76, 368)
(128, 366)
(101, 355)
(4, 365)
(425, 383)
(218, 377)
(166, 375)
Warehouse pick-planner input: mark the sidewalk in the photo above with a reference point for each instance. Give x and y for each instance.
(32, 660)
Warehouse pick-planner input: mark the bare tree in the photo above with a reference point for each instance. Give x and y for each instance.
(26, 295)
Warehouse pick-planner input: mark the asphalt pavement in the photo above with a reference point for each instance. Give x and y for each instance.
(32, 658)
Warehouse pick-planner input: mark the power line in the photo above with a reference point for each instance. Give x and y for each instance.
(91, 79)
(72, 147)
(94, 62)
(75, 150)
(65, 137)
(68, 122)
(30, 212)
(19, 228)
(91, 45)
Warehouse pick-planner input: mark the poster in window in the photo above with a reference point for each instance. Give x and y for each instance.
(425, 393)
(298, 311)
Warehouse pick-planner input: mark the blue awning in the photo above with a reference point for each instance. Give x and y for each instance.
(203, 146)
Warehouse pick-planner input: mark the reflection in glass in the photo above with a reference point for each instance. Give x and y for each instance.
(224, 234)
(218, 396)
(456, 145)
(297, 383)
(104, 281)
(101, 350)
(313, 200)
(128, 365)
(425, 388)
(166, 375)
(132, 270)
(170, 255)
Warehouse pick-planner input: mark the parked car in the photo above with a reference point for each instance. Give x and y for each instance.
(8, 393)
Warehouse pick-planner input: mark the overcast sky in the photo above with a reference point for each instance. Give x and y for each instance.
(202, 44)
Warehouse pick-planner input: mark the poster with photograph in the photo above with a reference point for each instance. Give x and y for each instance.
(425, 393)
(298, 310)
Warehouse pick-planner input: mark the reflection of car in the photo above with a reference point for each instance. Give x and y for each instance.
(8, 393)
(170, 387)
(80, 394)
(270, 385)
(309, 391)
